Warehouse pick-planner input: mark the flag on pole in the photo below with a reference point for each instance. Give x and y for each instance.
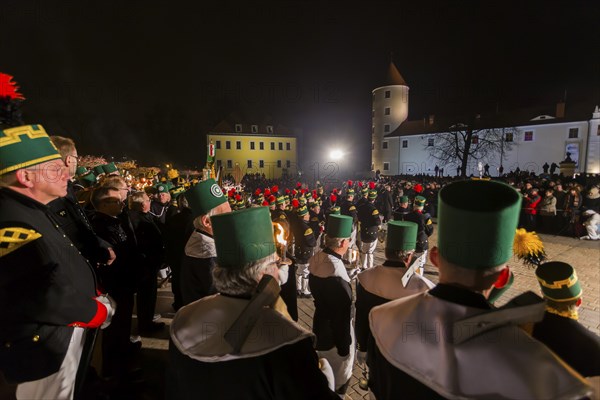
(210, 157)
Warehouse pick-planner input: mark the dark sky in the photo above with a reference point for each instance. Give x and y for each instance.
(149, 79)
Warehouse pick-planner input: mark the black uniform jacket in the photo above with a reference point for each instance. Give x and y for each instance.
(368, 216)
(46, 288)
(424, 228)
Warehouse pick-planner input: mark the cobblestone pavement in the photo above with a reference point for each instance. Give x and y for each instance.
(583, 255)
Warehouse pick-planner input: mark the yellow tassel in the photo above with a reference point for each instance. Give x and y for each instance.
(528, 247)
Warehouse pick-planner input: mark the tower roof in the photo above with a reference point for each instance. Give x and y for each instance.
(394, 77)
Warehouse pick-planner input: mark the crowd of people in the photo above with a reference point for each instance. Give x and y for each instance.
(81, 250)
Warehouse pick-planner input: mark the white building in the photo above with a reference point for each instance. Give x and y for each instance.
(543, 135)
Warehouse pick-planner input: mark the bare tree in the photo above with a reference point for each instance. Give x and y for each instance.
(462, 143)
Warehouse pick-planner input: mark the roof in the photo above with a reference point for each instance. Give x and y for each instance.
(393, 76)
(228, 124)
(519, 117)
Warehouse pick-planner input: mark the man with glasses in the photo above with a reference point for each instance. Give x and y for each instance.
(48, 292)
(71, 218)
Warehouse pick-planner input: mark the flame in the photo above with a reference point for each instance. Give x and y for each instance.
(354, 255)
(280, 234)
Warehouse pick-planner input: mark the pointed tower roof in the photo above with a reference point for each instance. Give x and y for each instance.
(394, 77)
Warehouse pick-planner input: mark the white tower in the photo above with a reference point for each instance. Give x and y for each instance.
(593, 145)
(390, 109)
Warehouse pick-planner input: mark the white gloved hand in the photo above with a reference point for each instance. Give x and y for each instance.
(284, 272)
(111, 307)
(361, 357)
(326, 369)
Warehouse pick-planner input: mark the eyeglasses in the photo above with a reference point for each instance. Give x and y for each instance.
(75, 158)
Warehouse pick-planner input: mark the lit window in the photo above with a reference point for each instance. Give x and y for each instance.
(254, 128)
(238, 145)
(238, 127)
(387, 111)
(386, 166)
(386, 128)
(384, 145)
(405, 144)
(228, 145)
(430, 142)
(388, 94)
(528, 136)
(573, 133)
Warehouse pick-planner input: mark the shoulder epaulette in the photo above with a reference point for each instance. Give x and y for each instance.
(13, 238)
(309, 231)
(352, 208)
(375, 212)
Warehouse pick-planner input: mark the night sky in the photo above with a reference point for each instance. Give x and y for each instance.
(148, 80)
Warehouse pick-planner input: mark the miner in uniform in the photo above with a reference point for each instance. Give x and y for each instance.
(206, 200)
(370, 221)
(305, 242)
(278, 362)
(423, 221)
(330, 287)
(394, 279)
(402, 211)
(48, 291)
(449, 342)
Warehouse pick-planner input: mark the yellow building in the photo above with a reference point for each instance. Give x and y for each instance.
(263, 148)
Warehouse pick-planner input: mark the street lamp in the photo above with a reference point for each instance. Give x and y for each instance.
(336, 154)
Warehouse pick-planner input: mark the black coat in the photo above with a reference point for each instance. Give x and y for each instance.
(424, 228)
(46, 288)
(368, 216)
(305, 241)
(149, 240)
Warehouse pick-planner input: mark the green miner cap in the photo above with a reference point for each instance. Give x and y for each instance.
(162, 188)
(98, 170)
(24, 146)
(302, 211)
(477, 221)
(401, 236)
(176, 191)
(403, 199)
(110, 168)
(339, 226)
(280, 200)
(205, 196)
(420, 201)
(558, 281)
(372, 194)
(335, 210)
(80, 171)
(314, 204)
(88, 177)
(243, 236)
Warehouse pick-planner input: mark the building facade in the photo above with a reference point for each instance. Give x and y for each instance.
(538, 136)
(255, 148)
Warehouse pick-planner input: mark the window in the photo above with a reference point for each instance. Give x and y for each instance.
(474, 139)
(288, 146)
(229, 164)
(508, 137)
(251, 145)
(528, 136)
(278, 163)
(372, 130)
(238, 145)
(261, 163)
(249, 164)
(218, 144)
(384, 145)
(573, 133)
(254, 128)
(598, 132)
(228, 145)
(288, 163)
(430, 142)
(386, 166)
(405, 144)
(388, 94)
(387, 111)
(238, 127)
(261, 145)
(272, 145)
(386, 128)
(219, 163)
(269, 128)
(280, 146)
(373, 146)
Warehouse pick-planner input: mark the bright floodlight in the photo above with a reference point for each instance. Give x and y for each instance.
(336, 154)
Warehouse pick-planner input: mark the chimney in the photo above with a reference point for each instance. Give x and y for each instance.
(431, 119)
(560, 109)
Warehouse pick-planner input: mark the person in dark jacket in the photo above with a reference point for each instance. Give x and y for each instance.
(386, 203)
(425, 229)
(305, 244)
(205, 200)
(48, 306)
(559, 330)
(369, 219)
(403, 210)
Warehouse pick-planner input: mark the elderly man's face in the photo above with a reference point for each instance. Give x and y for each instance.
(48, 180)
(164, 197)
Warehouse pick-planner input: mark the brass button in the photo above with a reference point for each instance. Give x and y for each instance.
(36, 338)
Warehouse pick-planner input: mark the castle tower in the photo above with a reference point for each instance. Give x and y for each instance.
(390, 109)
(593, 145)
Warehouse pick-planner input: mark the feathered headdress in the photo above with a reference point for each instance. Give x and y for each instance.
(295, 203)
(350, 183)
(528, 247)
(333, 198)
(371, 185)
(9, 88)
(275, 189)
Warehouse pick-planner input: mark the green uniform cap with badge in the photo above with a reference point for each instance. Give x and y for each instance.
(98, 170)
(403, 199)
(161, 188)
(420, 201)
(372, 194)
(24, 146)
(339, 226)
(88, 177)
(559, 281)
(477, 221)
(401, 236)
(302, 211)
(280, 200)
(243, 236)
(80, 171)
(335, 210)
(110, 168)
(205, 196)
